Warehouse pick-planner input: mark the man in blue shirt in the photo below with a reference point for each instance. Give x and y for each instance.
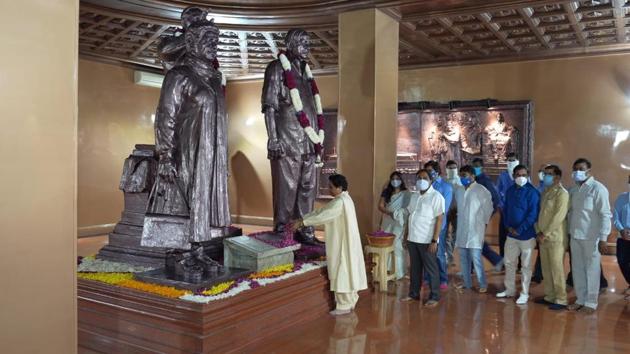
(484, 180)
(446, 190)
(621, 220)
(505, 181)
(522, 203)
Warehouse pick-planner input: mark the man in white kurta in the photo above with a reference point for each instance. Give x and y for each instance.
(474, 209)
(589, 227)
(344, 254)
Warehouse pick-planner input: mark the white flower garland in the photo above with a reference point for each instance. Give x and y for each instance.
(316, 138)
(245, 285)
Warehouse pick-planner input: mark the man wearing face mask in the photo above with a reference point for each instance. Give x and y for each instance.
(505, 181)
(452, 177)
(474, 209)
(426, 212)
(484, 180)
(621, 217)
(541, 179)
(446, 190)
(589, 227)
(520, 212)
(552, 238)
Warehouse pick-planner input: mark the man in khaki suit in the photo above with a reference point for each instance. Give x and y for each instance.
(551, 230)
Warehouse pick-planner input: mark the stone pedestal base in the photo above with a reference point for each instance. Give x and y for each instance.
(249, 253)
(118, 320)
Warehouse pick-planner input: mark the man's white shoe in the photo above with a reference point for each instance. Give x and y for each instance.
(522, 300)
(504, 294)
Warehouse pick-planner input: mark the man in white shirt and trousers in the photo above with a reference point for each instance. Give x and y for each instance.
(589, 227)
(474, 209)
(426, 211)
(344, 254)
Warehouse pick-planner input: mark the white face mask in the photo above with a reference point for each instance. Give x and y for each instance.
(396, 183)
(511, 165)
(520, 181)
(422, 185)
(541, 176)
(452, 173)
(579, 176)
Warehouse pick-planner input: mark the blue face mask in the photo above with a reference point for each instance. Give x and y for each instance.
(466, 181)
(478, 170)
(434, 175)
(548, 180)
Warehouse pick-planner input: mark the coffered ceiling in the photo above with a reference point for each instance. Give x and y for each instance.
(432, 32)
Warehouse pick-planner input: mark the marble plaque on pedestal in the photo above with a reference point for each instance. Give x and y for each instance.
(248, 253)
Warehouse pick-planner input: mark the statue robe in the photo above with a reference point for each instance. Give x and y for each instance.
(344, 254)
(191, 129)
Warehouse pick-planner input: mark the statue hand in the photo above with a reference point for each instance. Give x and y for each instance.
(167, 170)
(275, 150)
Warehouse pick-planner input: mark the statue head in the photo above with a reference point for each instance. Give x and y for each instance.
(202, 38)
(191, 15)
(297, 42)
(500, 119)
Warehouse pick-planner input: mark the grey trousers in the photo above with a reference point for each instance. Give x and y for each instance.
(294, 182)
(585, 267)
(423, 261)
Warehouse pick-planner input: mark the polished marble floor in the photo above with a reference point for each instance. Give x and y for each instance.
(463, 323)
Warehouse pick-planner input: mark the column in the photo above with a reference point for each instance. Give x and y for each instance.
(368, 106)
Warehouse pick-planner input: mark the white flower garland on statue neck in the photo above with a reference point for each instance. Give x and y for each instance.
(316, 138)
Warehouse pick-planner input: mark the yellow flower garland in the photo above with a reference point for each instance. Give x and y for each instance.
(126, 280)
(273, 271)
(108, 278)
(219, 288)
(166, 291)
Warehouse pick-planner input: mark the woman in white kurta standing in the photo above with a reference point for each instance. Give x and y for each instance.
(344, 254)
(474, 209)
(394, 200)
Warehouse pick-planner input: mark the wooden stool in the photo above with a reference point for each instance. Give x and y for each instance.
(381, 257)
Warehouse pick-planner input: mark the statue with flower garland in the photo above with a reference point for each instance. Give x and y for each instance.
(295, 128)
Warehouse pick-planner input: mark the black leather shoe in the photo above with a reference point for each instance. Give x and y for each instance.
(542, 301)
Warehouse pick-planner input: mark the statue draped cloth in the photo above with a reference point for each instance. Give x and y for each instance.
(191, 129)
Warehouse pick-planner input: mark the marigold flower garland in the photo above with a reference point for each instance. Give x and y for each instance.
(316, 138)
(216, 292)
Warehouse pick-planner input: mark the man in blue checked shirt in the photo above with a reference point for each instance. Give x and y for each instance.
(446, 190)
(621, 219)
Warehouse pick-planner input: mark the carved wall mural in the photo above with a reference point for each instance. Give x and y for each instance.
(461, 131)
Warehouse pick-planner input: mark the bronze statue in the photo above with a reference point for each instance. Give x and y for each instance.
(292, 153)
(189, 199)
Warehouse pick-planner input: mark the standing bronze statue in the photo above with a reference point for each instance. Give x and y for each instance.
(292, 149)
(189, 200)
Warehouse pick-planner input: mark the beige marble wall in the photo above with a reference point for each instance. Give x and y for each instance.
(114, 115)
(38, 112)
